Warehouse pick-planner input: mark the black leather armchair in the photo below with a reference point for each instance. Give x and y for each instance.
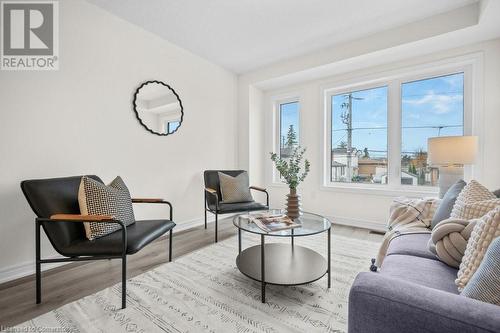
(213, 197)
(55, 203)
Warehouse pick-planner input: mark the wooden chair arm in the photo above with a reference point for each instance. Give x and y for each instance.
(210, 190)
(147, 200)
(156, 201)
(79, 217)
(257, 188)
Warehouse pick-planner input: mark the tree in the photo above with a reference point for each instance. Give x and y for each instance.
(366, 153)
(291, 137)
(421, 177)
(412, 169)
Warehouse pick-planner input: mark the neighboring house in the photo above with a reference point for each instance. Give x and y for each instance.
(372, 168)
(408, 178)
(340, 171)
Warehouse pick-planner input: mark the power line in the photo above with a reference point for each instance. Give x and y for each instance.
(403, 127)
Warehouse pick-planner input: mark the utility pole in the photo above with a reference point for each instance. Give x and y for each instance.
(347, 120)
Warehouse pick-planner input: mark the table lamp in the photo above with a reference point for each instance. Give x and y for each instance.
(450, 154)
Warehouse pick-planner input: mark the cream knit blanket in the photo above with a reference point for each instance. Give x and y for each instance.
(407, 216)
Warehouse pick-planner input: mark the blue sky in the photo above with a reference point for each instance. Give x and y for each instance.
(289, 115)
(426, 103)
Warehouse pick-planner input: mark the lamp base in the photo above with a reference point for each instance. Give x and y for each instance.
(449, 175)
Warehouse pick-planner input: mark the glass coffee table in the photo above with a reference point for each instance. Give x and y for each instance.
(280, 263)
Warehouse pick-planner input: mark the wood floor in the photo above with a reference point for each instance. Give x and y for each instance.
(68, 283)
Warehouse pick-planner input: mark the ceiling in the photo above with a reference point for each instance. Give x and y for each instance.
(243, 35)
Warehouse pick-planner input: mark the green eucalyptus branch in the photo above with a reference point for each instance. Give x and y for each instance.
(291, 168)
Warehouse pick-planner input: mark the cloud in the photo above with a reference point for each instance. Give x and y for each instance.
(439, 103)
(454, 81)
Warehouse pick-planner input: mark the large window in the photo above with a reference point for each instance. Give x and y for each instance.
(359, 136)
(377, 132)
(430, 107)
(287, 130)
(288, 127)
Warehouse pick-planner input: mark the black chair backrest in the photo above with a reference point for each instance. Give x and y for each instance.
(47, 197)
(212, 181)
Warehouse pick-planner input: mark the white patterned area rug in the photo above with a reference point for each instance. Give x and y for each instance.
(205, 292)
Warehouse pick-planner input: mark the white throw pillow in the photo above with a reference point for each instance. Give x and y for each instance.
(473, 202)
(486, 229)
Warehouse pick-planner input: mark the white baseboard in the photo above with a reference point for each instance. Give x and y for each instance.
(360, 223)
(28, 268)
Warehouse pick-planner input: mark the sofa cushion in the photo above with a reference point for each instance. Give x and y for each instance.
(443, 212)
(486, 229)
(484, 284)
(449, 240)
(474, 201)
(412, 245)
(423, 271)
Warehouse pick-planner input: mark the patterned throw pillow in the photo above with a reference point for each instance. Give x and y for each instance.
(235, 189)
(486, 229)
(473, 202)
(485, 283)
(96, 198)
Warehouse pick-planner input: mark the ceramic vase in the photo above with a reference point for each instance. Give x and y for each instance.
(293, 206)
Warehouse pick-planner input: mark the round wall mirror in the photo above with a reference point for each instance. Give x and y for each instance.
(158, 107)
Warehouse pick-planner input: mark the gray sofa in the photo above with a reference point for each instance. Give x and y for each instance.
(415, 292)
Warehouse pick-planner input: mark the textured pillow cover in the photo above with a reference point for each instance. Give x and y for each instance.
(95, 198)
(484, 285)
(449, 240)
(446, 206)
(486, 229)
(474, 201)
(235, 189)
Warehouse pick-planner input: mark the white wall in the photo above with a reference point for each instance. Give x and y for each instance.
(79, 120)
(371, 209)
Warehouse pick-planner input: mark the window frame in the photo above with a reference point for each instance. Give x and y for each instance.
(394, 80)
(277, 102)
(346, 90)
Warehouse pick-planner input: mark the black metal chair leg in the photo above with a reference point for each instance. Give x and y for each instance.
(216, 226)
(170, 246)
(205, 218)
(38, 265)
(124, 281)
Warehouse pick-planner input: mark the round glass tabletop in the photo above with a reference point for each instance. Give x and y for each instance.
(310, 224)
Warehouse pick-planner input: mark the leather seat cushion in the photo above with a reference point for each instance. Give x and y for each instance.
(139, 235)
(239, 207)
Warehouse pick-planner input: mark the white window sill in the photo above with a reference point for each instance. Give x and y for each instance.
(383, 190)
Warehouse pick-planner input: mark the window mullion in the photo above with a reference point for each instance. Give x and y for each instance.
(394, 133)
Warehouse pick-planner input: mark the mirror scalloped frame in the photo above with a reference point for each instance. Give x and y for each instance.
(137, 113)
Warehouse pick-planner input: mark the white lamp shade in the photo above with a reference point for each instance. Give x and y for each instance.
(452, 150)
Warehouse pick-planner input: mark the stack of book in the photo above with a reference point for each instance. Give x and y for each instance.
(272, 222)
